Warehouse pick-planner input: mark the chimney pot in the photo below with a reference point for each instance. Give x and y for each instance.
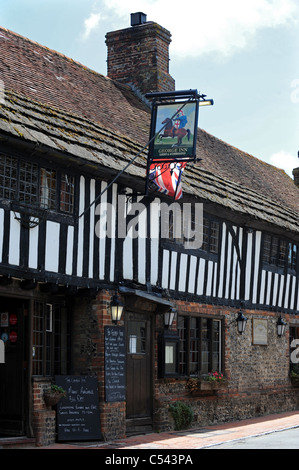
(138, 18)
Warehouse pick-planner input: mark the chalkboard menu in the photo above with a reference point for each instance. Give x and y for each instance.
(115, 361)
(78, 415)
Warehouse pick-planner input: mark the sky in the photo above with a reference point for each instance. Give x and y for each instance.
(241, 53)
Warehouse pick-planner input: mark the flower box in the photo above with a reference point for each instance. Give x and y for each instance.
(213, 381)
(211, 384)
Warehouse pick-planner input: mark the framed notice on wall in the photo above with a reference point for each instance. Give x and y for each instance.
(260, 331)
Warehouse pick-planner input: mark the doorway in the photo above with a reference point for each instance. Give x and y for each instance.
(13, 373)
(139, 373)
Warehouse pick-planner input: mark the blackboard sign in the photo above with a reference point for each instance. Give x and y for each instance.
(115, 362)
(78, 415)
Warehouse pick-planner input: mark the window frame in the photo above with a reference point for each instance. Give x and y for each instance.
(27, 185)
(279, 254)
(185, 367)
(50, 339)
(207, 245)
(208, 249)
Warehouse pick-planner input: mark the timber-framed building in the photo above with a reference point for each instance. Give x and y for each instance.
(65, 133)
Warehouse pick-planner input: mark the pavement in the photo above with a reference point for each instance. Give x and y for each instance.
(200, 438)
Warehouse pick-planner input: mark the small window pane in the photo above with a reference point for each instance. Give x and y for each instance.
(267, 249)
(182, 345)
(28, 181)
(214, 237)
(67, 193)
(274, 251)
(292, 256)
(47, 188)
(136, 337)
(216, 338)
(8, 177)
(194, 346)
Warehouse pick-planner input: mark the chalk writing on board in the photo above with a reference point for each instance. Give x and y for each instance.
(78, 416)
(115, 359)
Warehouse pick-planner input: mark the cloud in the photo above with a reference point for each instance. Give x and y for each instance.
(284, 160)
(90, 24)
(216, 26)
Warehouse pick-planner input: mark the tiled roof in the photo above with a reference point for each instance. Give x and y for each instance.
(89, 142)
(99, 105)
(54, 79)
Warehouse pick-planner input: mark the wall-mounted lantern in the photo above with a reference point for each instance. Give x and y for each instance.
(169, 317)
(241, 322)
(281, 326)
(116, 309)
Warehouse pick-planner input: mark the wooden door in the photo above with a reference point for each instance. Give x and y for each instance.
(12, 372)
(139, 368)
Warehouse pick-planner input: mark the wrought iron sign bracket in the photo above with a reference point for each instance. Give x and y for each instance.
(175, 101)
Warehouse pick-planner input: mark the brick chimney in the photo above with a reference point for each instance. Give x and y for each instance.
(139, 55)
(296, 174)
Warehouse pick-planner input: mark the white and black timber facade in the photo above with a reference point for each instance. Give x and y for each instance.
(75, 248)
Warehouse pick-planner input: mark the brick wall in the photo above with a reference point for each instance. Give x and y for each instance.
(258, 375)
(43, 416)
(90, 318)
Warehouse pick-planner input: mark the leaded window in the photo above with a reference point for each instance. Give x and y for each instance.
(211, 230)
(51, 340)
(67, 193)
(179, 233)
(200, 347)
(280, 253)
(36, 186)
(8, 177)
(48, 188)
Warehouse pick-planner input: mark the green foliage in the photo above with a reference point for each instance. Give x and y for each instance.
(57, 389)
(295, 371)
(182, 414)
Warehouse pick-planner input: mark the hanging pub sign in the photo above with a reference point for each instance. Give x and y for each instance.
(173, 126)
(173, 135)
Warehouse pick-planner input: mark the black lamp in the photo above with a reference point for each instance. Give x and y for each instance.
(116, 309)
(241, 322)
(169, 316)
(281, 326)
(205, 102)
